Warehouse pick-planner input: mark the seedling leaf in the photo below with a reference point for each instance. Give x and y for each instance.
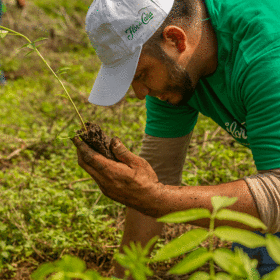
(226, 214)
(28, 45)
(40, 39)
(219, 202)
(29, 53)
(181, 245)
(241, 236)
(63, 70)
(273, 247)
(186, 216)
(227, 260)
(193, 261)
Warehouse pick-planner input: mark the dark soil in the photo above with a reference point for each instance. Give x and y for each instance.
(97, 140)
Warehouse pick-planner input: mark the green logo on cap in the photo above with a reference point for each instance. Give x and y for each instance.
(145, 19)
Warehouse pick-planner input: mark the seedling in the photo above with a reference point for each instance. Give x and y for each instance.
(90, 133)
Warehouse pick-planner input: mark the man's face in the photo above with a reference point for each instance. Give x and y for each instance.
(166, 80)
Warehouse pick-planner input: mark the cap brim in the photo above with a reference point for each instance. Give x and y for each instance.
(113, 81)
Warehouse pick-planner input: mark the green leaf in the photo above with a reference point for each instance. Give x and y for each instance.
(226, 214)
(248, 264)
(59, 276)
(219, 202)
(241, 236)
(5, 254)
(200, 275)
(150, 244)
(225, 258)
(274, 275)
(29, 53)
(223, 276)
(28, 45)
(71, 134)
(43, 271)
(128, 251)
(181, 245)
(71, 264)
(31, 46)
(273, 247)
(92, 275)
(63, 70)
(121, 259)
(186, 216)
(3, 33)
(193, 261)
(40, 39)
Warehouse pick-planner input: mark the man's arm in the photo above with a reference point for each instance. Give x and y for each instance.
(168, 199)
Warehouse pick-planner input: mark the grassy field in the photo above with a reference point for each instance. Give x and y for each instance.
(48, 205)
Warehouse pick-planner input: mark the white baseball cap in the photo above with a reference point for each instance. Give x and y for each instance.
(117, 30)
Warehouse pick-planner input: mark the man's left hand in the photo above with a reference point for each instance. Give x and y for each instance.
(132, 181)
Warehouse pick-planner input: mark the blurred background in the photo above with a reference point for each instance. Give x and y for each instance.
(48, 205)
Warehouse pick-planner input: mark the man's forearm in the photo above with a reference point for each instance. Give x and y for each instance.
(168, 199)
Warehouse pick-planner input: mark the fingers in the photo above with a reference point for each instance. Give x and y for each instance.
(89, 156)
(91, 171)
(124, 155)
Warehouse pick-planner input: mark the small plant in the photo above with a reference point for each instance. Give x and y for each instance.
(237, 264)
(33, 47)
(90, 133)
(65, 269)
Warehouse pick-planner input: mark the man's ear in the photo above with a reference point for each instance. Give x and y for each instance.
(175, 36)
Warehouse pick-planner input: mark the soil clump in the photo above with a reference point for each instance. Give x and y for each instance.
(96, 138)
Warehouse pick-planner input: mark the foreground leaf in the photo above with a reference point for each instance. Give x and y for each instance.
(43, 271)
(241, 236)
(71, 264)
(219, 202)
(223, 276)
(225, 259)
(193, 261)
(226, 214)
(40, 39)
(274, 275)
(200, 275)
(273, 247)
(186, 216)
(181, 245)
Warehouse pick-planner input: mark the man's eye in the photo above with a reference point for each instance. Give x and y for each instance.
(139, 77)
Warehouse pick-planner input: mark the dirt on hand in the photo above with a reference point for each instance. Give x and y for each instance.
(97, 140)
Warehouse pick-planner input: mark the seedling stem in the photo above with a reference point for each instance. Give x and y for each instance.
(31, 45)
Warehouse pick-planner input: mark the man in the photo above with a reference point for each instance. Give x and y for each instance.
(220, 58)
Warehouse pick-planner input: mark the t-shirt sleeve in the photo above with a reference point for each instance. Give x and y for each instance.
(261, 93)
(167, 121)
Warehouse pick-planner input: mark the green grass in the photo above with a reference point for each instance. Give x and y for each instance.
(45, 211)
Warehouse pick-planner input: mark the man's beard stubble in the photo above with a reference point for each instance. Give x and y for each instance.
(180, 82)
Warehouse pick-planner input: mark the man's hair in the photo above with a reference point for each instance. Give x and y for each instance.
(181, 10)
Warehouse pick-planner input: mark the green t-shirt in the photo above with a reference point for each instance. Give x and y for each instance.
(243, 95)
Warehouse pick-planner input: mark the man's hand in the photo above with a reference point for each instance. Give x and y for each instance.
(132, 181)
